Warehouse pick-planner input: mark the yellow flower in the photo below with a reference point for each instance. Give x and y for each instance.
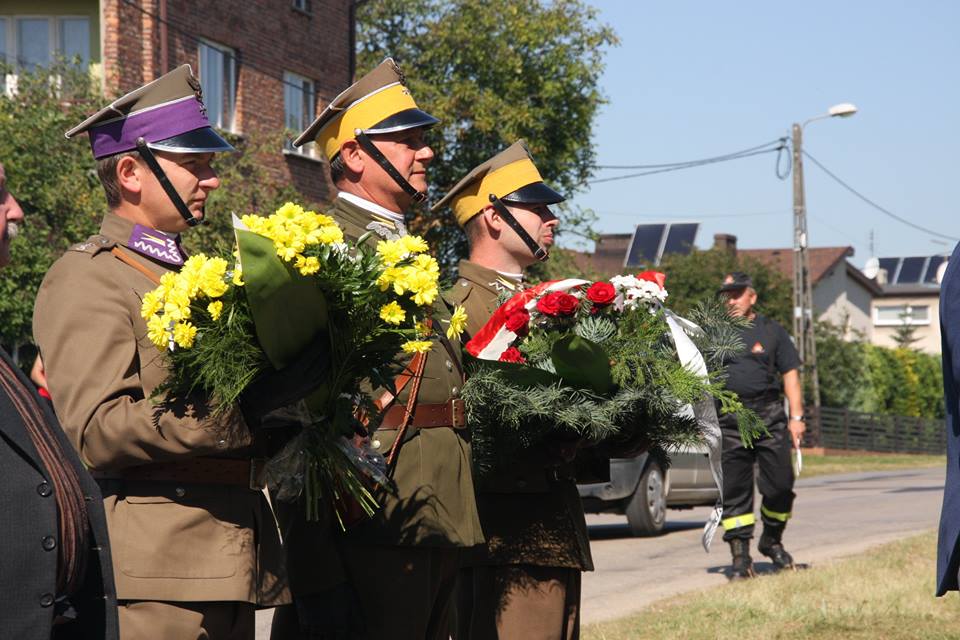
(152, 302)
(414, 244)
(423, 329)
(183, 334)
(237, 276)
(215, 309)
(391, 251)
(307, 266)
(392, 313)
(157, 328)
(330, 234)
(458, 322)
(417, 346)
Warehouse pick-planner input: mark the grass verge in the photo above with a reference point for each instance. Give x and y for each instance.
(823, 465)
(884, 593)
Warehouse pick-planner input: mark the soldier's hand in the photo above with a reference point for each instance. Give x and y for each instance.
(274, 388)
(334, 614)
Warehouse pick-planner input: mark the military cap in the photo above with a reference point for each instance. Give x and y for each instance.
(379, 102)
(736, 281)
(510, 176)
(168, 114)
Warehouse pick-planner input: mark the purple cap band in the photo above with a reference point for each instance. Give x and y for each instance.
(153, 125)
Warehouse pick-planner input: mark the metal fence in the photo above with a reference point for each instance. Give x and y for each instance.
(844, 429)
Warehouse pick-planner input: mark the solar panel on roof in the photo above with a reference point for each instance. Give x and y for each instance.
(890, 266)
(645, 246)
(911, 270)
(680, 238)
(930, 277)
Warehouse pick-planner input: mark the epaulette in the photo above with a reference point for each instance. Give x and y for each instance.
(459, 291)
(94, 245)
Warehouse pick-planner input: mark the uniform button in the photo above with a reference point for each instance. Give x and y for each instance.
(521, 483)
(180, 491)
(44, 489)
(449, 365)
(49, 543)
(376, 444)
(455, 391)
(46, 600)
(222, 443)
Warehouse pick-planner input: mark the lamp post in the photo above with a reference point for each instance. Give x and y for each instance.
(802, 285)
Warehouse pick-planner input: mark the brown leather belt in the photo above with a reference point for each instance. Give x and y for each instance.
(224, 471)
(427, 416)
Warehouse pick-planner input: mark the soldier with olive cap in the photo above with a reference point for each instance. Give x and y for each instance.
(196, 546)
(525, 582)
(402, 563)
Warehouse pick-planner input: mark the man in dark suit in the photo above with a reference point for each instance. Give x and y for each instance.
(948, 546)
(55, 571)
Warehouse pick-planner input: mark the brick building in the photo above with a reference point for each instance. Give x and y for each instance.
(265, 65)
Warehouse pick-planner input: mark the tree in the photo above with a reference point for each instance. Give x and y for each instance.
(696, 276)
(906, 332)
(494, 71)
(52, 179)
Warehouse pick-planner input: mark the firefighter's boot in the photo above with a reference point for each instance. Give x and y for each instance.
(771, 547)
(742, 566)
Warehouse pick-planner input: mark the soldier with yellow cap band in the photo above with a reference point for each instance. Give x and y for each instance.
(393, 574)
(525, 581)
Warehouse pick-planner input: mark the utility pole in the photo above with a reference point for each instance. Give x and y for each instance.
(802, 286)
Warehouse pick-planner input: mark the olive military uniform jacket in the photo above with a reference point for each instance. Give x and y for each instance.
(531, 513)
(434, 505)
(174, 541)
(28, 560)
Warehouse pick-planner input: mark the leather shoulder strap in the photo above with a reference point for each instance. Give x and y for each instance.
(123, 257)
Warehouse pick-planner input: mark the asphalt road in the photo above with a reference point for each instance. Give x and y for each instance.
(834, 516)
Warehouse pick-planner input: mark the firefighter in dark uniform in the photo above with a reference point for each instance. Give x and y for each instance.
(756, 377)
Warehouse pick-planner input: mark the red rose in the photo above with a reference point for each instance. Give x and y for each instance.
(517, 321)
(601, 293)
(512, 354)
(653, 276)
(557, 303)
(568, 304)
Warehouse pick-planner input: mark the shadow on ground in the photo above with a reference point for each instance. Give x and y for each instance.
(622, 530)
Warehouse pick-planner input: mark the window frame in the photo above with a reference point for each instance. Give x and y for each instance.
(229, 55)
(309, 107)
(8, 83)
(905, 308)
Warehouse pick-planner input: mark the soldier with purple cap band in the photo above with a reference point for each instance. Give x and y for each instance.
(197, 549)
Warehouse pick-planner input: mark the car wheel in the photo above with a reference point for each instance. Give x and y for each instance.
(647, 508)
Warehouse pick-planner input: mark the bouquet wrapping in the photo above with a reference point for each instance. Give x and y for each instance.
(602, 364)
(292, 282)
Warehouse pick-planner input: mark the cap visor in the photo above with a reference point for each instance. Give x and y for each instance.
(535, 193)
(402, 121)
(203, 140)
(732, 287)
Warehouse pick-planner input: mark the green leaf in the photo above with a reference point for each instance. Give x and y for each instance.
(583, 364)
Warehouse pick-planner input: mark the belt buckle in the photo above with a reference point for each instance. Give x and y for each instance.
(458, 413)
(256, 480)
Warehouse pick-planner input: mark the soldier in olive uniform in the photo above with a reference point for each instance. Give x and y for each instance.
(195, 542)
(525, 583)
(402, 563)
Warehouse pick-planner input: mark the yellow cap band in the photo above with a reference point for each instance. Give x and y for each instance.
(500, 183)
(364, 114)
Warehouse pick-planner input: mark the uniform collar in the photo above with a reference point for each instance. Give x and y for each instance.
(490, 279)
(159, 246)
(379, 213)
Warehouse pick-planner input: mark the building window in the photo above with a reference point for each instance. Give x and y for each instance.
(218, 76)
(898, 314)
(302, 5)
(299, 106)
(28, 42)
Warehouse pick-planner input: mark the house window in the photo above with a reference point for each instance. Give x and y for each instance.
(28, 42)
(302, 5)
(218, 76)
(299, 106)
(898, 314)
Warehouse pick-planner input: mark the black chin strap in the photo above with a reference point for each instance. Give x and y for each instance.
(151, 161)
(538, 252)
(367, 145)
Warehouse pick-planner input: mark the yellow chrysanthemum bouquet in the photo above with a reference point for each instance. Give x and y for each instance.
(292, 281)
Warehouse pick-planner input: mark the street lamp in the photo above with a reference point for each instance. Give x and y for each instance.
(802, 286)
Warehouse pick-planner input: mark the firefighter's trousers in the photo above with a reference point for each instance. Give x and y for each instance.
(771, 453)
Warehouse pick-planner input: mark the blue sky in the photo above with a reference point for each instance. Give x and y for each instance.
(697, 79)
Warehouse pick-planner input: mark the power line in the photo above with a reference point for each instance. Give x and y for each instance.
(690, 165)
(695, 216)
(873, 204)
(726, 156)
